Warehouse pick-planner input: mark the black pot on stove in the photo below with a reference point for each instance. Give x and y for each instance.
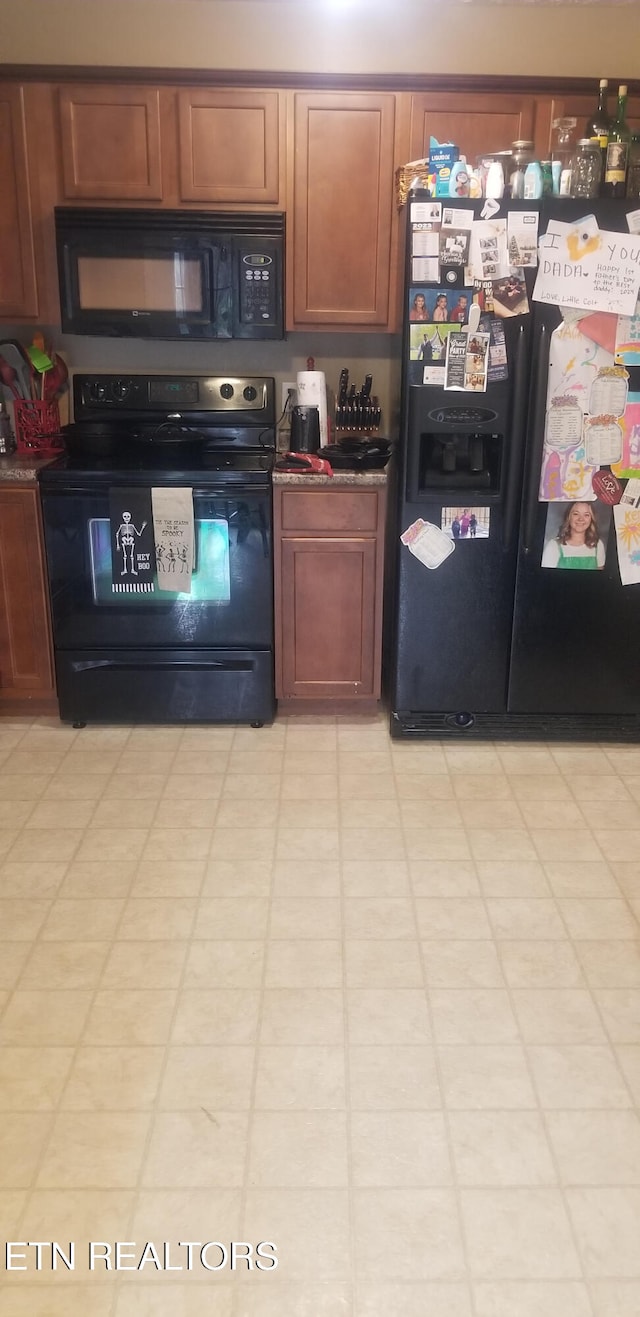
(94, 439)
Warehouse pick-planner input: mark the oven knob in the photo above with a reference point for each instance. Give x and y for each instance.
(250, 393)
(99, 392)
(120, 390)
(226, 390)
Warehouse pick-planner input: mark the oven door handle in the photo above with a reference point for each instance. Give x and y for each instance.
(151, 661)
(234, 490)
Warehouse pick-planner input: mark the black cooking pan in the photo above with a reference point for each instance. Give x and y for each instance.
(357, 455)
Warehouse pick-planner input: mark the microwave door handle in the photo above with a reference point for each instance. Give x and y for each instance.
(536, 437)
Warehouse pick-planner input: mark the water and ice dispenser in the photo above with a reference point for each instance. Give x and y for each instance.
(453, 447)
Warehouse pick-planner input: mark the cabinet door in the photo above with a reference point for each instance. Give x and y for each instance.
(17, 265)
(328, 618)
(477, 122)
(26, 667)
(342, 209)
(229, 146)
(111, 143)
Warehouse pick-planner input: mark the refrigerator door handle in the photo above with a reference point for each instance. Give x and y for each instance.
(536, 446)
(516, 447)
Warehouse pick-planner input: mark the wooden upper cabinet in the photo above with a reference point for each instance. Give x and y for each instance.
(477, 122)
(18, 295)
(229, 146)
(343, 170)
(111, 143)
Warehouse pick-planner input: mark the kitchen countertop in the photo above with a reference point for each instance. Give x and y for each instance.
(21, 467)
(361, 479)
(24, 469)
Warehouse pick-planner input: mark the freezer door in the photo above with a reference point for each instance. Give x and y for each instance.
(576, 637)
(576, 634)
(454, 624)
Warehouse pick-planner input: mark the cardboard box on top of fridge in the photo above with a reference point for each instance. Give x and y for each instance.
(442, 157)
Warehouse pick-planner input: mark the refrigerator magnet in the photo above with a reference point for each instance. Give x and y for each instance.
(466, 523)
(607, 487)
(627, 524)
(576, 535)
(427, 543)
(510, 295)
(602, 440)
(522, 229)
(629, 466)
(631, 494)
(627, 339)
(467, 361)
(608, 394)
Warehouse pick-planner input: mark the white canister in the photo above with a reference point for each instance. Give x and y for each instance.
(494, 186)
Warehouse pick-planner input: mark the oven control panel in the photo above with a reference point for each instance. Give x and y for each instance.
(248, 396)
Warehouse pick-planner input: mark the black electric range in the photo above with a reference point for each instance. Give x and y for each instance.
(202, 654)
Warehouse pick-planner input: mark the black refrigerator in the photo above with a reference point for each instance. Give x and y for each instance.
(491, 643)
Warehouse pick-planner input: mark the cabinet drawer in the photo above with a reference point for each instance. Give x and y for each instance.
(330, 510)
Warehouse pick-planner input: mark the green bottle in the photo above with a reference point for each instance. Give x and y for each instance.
(615, 174)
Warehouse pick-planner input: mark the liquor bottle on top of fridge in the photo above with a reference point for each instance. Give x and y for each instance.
(598, 125)
(633, 172)
(615, 174)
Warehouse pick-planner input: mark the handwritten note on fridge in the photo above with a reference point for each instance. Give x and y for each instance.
(589, 268)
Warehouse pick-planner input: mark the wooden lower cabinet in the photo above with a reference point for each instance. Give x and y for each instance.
(26, 658)
(329, 559)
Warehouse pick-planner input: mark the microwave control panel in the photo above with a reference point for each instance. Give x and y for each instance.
(259, 286)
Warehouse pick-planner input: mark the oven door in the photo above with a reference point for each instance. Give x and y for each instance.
(230, 604)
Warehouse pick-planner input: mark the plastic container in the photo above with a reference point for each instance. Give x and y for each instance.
(494, 182)
(533, 182)
(586, 169)
(459, 179)
(547, 178)
(484, 163)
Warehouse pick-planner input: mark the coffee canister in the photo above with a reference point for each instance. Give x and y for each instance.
(305, 429)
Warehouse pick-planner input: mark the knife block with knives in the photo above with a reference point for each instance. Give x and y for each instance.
(356, 409)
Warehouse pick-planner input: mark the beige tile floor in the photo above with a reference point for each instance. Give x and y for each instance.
(376, 1003)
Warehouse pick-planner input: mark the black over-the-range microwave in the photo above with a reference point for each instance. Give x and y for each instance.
(170, 273)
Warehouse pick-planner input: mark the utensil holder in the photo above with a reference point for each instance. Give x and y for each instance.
(37, 427)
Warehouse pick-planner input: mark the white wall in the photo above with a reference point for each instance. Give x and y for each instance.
(317, 36)
(327, 36)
